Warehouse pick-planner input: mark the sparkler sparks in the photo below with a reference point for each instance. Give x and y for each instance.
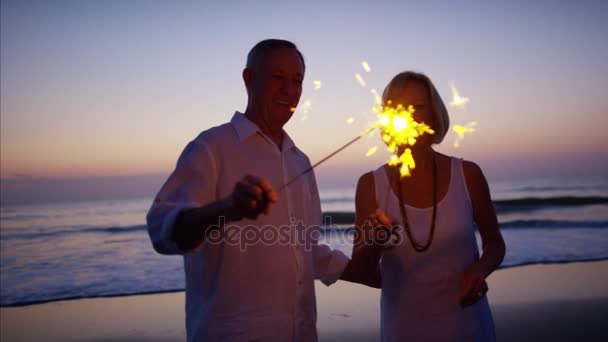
(399, 129)
(306, 105)
(457, 100)
(376, 96)
(366, 66)
(461, 130)
(371, 151)
(360, 80)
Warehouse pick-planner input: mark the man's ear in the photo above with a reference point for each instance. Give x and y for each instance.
(247, 78)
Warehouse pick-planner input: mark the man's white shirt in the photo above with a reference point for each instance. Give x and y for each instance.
(255, 281)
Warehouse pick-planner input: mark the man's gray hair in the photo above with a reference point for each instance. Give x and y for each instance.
(260, 49)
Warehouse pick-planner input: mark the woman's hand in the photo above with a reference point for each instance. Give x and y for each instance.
(385, 231)
(473, 287)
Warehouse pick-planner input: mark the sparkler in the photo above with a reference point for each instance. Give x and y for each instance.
(326, 158)
(398, 130)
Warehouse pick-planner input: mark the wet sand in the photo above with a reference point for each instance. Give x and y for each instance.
(563, 302)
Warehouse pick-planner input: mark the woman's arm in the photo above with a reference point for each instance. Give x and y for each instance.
(493, 244)
(473, 281)
(363, 266)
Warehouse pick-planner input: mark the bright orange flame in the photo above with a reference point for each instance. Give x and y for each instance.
(399, 128)
(350, 120)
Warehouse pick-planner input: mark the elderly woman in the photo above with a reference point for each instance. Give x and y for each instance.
(432, 279)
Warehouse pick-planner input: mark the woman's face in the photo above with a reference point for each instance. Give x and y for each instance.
(416, 94)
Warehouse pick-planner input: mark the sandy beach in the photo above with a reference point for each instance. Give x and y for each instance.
(560, 302)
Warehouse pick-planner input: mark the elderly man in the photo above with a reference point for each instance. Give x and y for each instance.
(249, 272)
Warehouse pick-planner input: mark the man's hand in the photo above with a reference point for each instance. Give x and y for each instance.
(251, 197)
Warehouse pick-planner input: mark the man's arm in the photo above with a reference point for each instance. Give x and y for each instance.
(186, 206)
(251, 197)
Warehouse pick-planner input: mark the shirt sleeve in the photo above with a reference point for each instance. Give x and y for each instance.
(190, 185)
(328, 264)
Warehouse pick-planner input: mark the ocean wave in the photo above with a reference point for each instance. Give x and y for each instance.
(553, 224)
(329, 200)
(535, 203)
(540, 188)
(337, 222)
(28, 234)
(41, 299)
(515, 224)
(518, 204)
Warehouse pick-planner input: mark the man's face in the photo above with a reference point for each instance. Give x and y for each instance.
(276, 86)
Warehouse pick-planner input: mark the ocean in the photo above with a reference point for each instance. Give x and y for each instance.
(57, 251)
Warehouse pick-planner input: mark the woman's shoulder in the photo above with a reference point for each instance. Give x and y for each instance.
(467, 165)
(473, 175)
(370, 175)
(471, 169)
(366, 180)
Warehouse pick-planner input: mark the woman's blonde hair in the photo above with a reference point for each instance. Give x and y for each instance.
(441, 118)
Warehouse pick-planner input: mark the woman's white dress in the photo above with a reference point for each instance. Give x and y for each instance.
(420, 290)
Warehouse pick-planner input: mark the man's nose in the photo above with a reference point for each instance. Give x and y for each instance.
(287, 87)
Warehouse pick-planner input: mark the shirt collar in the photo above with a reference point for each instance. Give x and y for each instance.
(245, 128)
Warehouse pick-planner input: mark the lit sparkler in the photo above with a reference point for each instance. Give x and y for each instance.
(398, 129)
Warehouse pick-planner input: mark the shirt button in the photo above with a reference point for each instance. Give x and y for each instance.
(300, 282)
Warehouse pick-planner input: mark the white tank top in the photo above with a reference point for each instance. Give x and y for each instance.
(420, 290)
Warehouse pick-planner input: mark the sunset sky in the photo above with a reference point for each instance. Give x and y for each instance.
(117, 88)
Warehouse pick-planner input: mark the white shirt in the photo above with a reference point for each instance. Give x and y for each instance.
(264, 291)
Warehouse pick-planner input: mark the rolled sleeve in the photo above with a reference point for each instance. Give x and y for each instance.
(190, 185)
(328, 264)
